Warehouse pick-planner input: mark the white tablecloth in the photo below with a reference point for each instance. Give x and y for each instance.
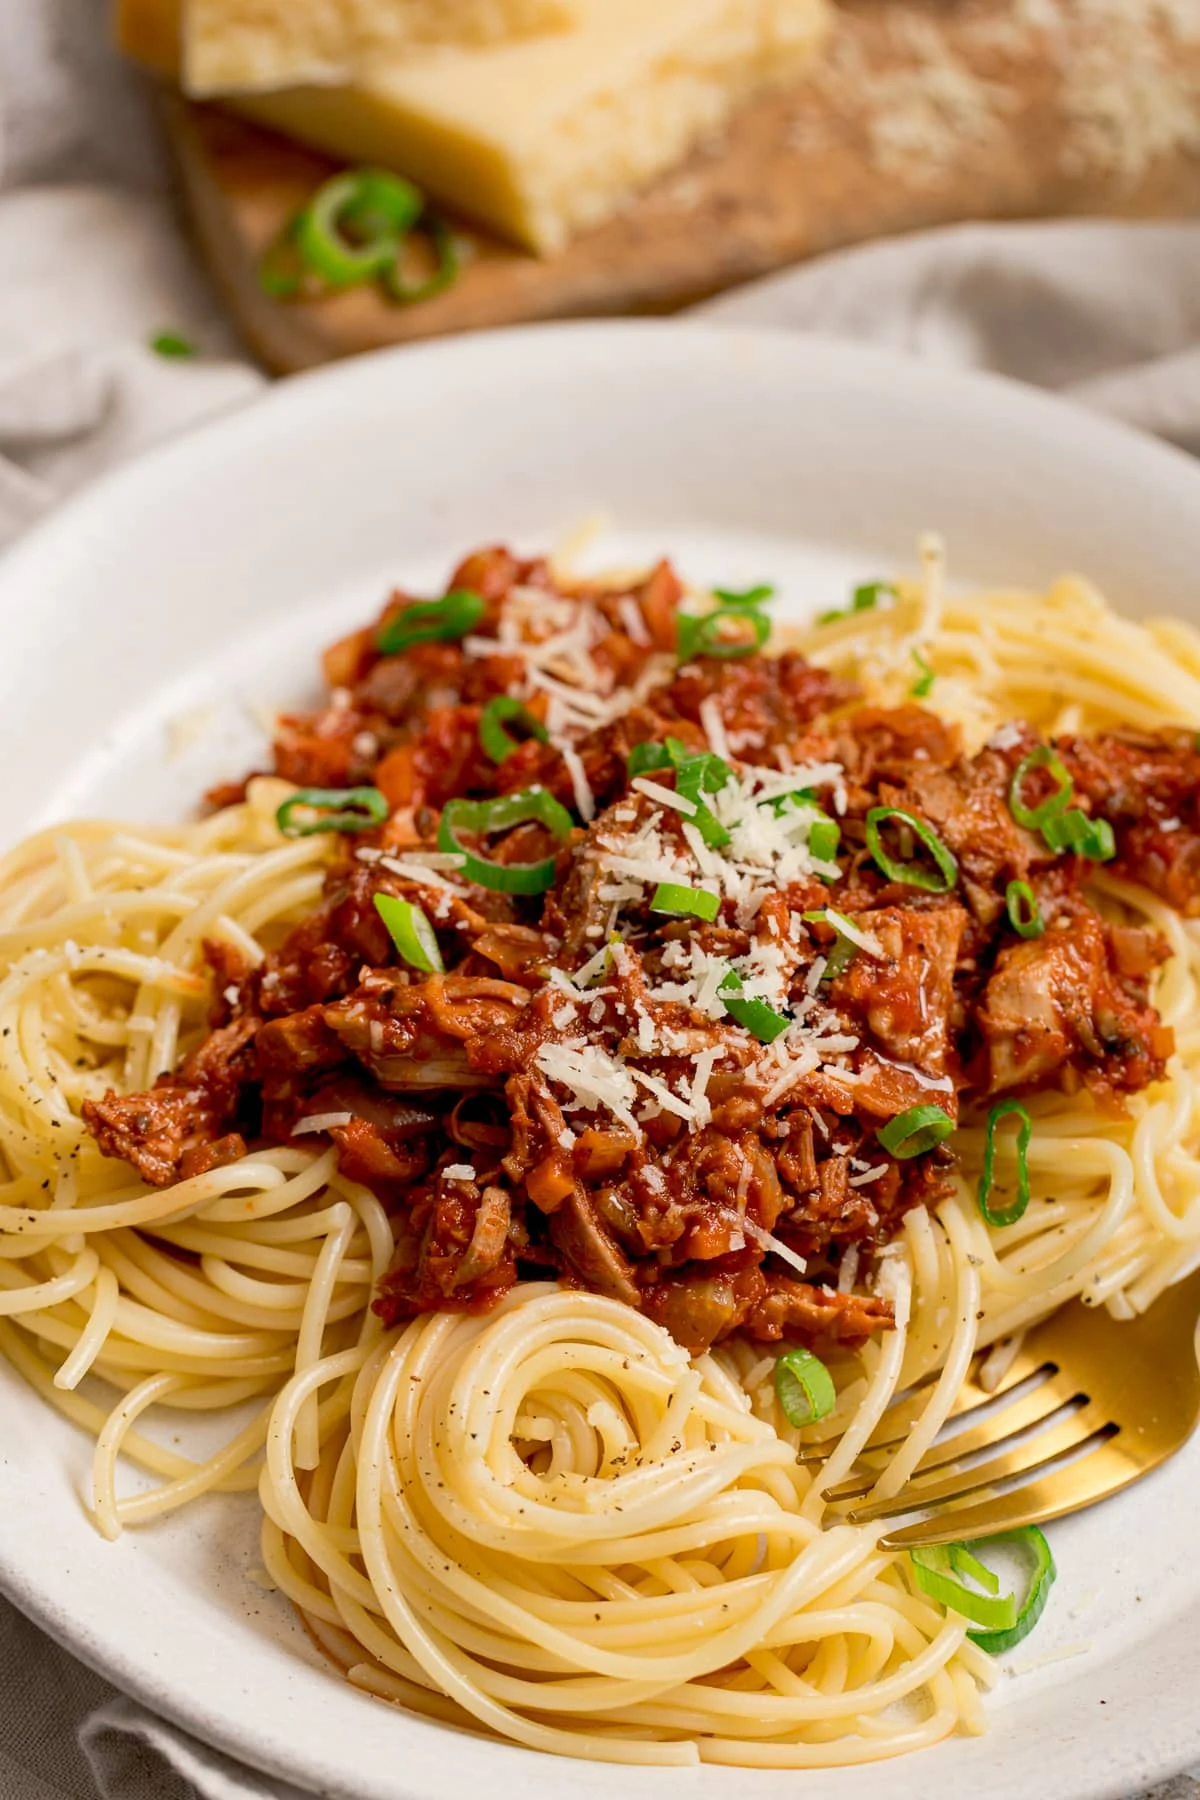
(94, 264)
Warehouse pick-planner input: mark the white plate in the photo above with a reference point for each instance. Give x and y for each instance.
(211, 572)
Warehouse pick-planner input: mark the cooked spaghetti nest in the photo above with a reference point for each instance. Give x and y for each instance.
(549, 1522)
(591, 1544)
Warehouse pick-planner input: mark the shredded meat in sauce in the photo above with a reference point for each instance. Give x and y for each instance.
(716, 1206)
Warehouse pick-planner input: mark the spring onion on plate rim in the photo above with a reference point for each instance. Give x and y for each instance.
(1003, 1619)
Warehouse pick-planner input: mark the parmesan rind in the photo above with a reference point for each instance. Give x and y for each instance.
(254, 46)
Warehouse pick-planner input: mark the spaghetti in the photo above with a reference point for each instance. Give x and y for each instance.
(576, 1518)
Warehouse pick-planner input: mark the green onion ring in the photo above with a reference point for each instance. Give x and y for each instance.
(1005, 1621)
(695, 776)
(759, 1019)
(344, 809)
(427, 621)
(492, 735)
(914, 1132)
(742, 598)
(484, 816)
(1024, 913)
(446, 269)
(1004, 1109)
(804, 1387)
(281, 268)
(911, 874)
(683, 902)
(864, 598)
(923, 686)
(699, 634)
(1078, 832)
(411, 932)
(844, 949)
(798, 797)
(1034, 818)
(644, 757)
(824, 838)
(381, 207)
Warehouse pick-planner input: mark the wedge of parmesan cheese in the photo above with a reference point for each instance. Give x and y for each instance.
(236, 46)
(543, 137)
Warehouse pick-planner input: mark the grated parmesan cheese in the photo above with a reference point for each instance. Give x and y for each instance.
(766, 1240)
(585, 800)
(663, 796)
(594, 1078)
(714, 727)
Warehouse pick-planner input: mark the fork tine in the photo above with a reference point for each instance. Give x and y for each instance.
(1027, 1462)
(992, 1434)
(903, 1413)
(1094, 1477)
(900, 1418)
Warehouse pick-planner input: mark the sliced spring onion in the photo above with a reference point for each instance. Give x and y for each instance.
(425, 621)
(1004, 1109)
(925, 677)
(683, 902)
(1076, 831)
(1004, 1619)
(697, 772)
(914, 1132)
(354, 229)
(1024, 913)
(709, 771)
(866, 596)
(492, 735)
(446, 261)
(411, 932)
(484, 816)
(761, 1020)
(696, 776)
(824, 838)
(1041, 1579)
(172, 345)
(700, 634)
(804, 1387)
(780, 803)
(1034, 818)
(350, 228)
(753, 596)
(844, 948)
(336, 809)
(281, 271)
(912, 874)
(962, 1560)
(644, 757)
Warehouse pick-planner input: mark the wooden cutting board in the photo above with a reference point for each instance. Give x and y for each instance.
(922, 113)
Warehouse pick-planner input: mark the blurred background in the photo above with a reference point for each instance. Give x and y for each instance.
(196, 194)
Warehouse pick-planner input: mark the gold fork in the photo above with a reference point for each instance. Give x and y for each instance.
(1088, 1405)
